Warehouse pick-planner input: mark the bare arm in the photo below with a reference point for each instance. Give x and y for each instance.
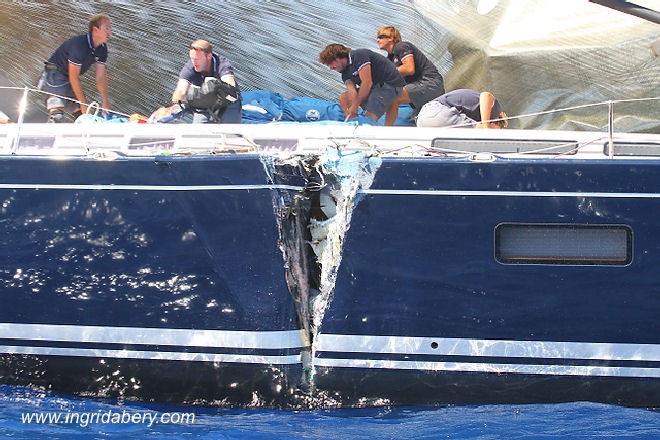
(180, 90)
(351, 103)
(366, 83)
(102, 84)
(76, 86)
(407, 67)
(486, 103)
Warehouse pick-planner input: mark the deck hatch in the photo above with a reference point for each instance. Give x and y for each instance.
(567, 244)
(633, 148)
(267, 144)
(535, 146)
(152, 142)
(36, 142)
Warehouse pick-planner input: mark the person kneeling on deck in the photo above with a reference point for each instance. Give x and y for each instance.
(208, 87)
(463, 108)
(423, 81)
(61, 76)
(372, 82)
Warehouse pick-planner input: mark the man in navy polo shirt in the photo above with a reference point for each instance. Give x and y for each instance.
(463, 108)
(423, 81)
(73, 58)
(203, 63)
(371, 80)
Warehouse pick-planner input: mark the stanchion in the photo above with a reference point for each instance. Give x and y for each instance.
(21, 114)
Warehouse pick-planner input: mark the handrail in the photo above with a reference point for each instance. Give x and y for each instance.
(610, 127)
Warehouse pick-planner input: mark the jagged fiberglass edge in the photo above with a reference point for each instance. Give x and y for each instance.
(312, 225)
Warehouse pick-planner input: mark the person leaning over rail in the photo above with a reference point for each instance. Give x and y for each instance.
(207, 85)
(71, 59)
(463, 107)
(423, 81)
(371, 80)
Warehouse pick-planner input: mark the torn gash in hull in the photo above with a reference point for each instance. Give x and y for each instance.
(325, 276)
(485, 279)
(447, 280)
(482, 280)
(166, 278)
(313, 224)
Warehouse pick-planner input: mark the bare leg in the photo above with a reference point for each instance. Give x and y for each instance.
(393, 109)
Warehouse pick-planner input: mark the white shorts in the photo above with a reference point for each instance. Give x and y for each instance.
(434, 114)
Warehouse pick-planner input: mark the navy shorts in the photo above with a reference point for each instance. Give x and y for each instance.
(57, 83)
(424, 90)
(380, 98)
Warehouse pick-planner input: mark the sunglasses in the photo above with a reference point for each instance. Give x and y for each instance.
(381, 36)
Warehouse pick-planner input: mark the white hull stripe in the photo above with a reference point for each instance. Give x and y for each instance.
(412, 192)
(154, 336)
(486, 348)
(147, 187)
(484, 367)
(401, 192)
(152, 355)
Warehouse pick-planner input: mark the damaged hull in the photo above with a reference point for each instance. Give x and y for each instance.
(427, 308)
(265, 266)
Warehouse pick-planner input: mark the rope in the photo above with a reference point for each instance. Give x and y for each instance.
(576, 107)
(89, 105)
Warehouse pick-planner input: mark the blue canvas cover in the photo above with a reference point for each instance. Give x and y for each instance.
(403, 119)
(261, 106)
(304, 109)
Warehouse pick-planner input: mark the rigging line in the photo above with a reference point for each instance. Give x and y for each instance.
(576, 107)
(613, 101)
(31, 89)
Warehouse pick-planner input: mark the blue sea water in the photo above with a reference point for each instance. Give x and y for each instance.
(111, 419)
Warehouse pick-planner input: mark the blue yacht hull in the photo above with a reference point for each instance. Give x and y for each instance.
(438, 280)
(151, 278)
(423, 311)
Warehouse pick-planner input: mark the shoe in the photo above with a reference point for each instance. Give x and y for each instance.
(55, 116)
